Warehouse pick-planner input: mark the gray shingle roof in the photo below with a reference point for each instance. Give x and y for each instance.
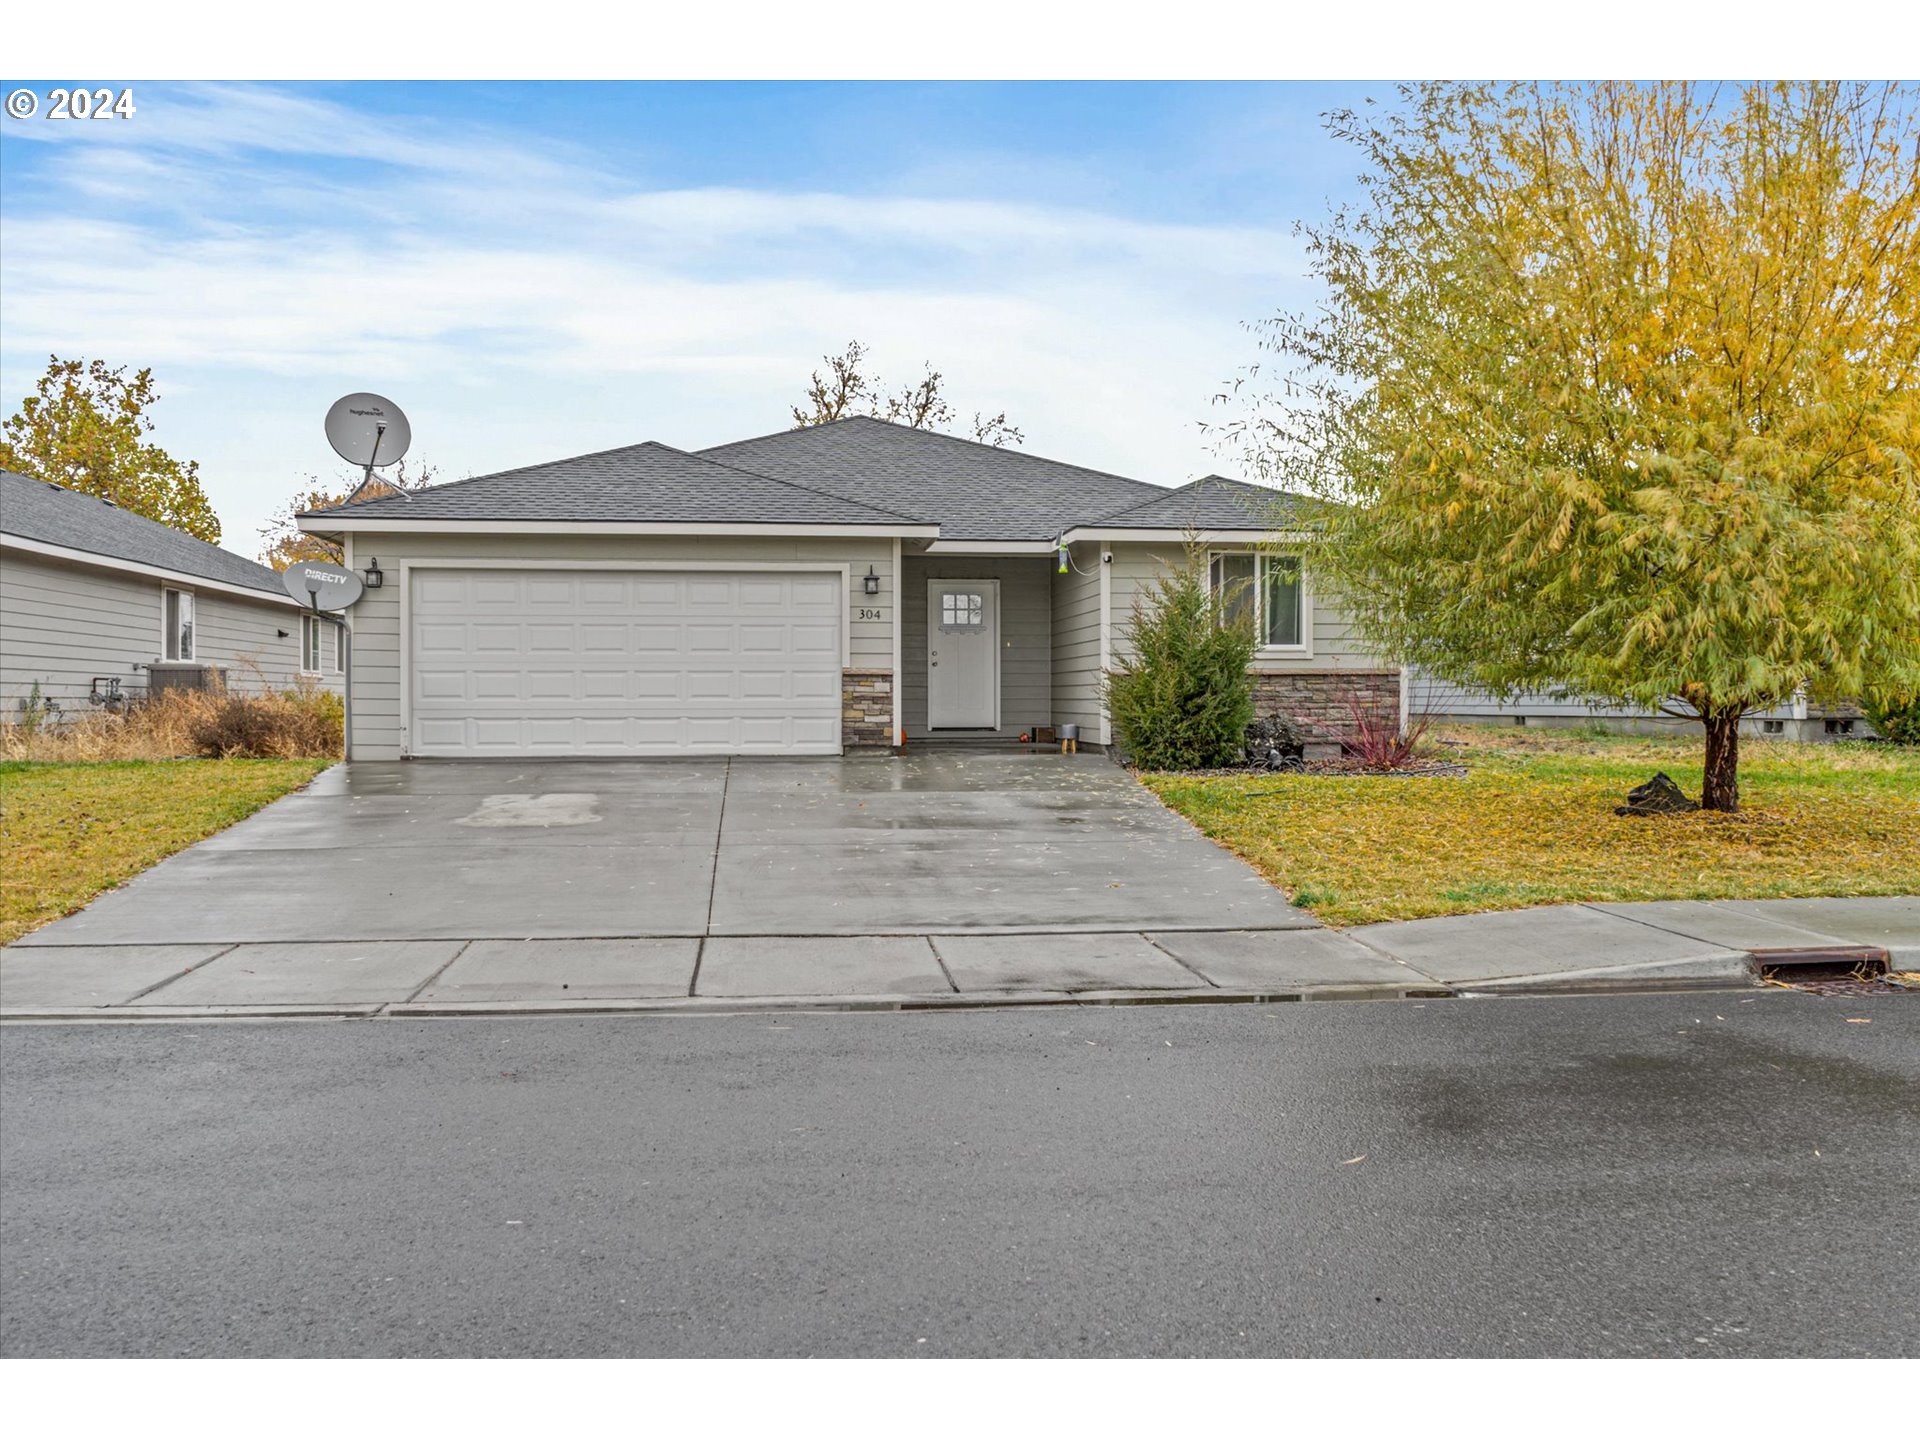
(974, 491)
(1210, 503)
(647, 482)
(53, 515)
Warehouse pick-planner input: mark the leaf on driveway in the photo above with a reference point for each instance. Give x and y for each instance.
(1354, 1161)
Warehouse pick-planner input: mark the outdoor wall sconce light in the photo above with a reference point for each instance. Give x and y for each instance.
(872, 582)
(373, 576)
(282, 634)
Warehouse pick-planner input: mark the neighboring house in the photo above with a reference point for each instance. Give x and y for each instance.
(1798, 719)
(851, 584)
(92, 598)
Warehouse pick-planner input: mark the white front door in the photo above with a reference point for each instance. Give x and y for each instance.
(963, 654)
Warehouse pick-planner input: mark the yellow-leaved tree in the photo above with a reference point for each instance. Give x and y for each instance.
(84, 428)
(1615, 387)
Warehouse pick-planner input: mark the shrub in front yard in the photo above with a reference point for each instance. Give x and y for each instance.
(1896, 719)
(282, 725)
(1185, 701)
(302, 723)
(1376, 738)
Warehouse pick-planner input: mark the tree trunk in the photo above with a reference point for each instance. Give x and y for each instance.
(1720, 789)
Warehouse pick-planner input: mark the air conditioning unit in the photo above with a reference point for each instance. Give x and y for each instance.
(165, 675)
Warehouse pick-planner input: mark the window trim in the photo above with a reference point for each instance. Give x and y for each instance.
(170, 634)
(310, 626)
(1301, 651)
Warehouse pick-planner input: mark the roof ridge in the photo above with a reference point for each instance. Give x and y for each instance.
(792, 484)
(1169, 492)
(938, 435)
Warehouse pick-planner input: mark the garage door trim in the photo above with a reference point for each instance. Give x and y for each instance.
(842, 568)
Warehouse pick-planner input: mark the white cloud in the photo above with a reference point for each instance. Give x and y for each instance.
(523, 303)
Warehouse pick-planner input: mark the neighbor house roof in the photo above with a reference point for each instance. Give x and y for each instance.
(974, 491)
(50, 515)
(650, 482)
(1211, 503)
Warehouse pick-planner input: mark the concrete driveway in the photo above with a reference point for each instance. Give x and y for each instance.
(486, 882)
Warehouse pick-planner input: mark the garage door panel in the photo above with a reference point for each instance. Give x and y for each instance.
(814, 640)
(491, 685)
(492, 590)
(590, 663)
(604, 639)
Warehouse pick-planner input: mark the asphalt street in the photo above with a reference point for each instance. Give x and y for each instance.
(1705, 1174)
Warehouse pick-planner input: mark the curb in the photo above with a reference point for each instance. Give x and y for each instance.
(719, 1005)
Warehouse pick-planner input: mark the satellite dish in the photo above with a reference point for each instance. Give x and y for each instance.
(368, 430)
(321, 586)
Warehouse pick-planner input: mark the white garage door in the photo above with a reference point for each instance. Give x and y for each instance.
(562, 662)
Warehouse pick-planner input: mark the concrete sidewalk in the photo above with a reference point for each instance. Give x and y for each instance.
(1565, 948)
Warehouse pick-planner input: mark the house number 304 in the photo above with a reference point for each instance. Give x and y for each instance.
(867, 612)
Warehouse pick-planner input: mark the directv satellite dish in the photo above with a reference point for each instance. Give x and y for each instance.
(368, 430)
(321, 586)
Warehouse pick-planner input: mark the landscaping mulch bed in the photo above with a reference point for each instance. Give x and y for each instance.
(1345, 768)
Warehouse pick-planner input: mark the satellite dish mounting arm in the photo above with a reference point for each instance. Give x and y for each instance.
(379, 434)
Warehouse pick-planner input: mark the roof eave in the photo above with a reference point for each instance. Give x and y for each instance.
(324, 524)
(74, 555)
(1241, 534)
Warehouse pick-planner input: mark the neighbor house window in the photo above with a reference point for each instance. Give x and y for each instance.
(177, 612)
(310, 642)
(1265, 590)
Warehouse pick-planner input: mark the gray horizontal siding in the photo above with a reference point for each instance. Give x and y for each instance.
(1428, 695)
(1026, 637)
(1077, 679)
(1336, 645)
(62, 624)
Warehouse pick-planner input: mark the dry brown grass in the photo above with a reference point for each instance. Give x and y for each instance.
(303, 723)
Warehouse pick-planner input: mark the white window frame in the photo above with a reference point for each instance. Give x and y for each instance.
(1301, 651)
(171, 650)
(310, 631)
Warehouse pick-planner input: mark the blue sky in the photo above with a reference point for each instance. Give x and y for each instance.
(536, 270)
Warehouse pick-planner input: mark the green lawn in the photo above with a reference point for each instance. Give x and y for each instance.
(69, 831)
(1533, 824)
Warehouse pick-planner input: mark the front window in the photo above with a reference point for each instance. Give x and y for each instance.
(310, 641)
(1265, 591)
(177, 609)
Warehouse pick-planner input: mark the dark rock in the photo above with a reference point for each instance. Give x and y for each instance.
(1279, 760)
(1659, 796)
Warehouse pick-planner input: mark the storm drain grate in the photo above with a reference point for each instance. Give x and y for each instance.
(1823, 968)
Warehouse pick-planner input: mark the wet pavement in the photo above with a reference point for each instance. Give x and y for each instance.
(1706, 1174)
(933, 879)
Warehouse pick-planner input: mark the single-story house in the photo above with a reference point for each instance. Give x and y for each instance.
(94, 600)
(852, 584)
(1796, 719)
